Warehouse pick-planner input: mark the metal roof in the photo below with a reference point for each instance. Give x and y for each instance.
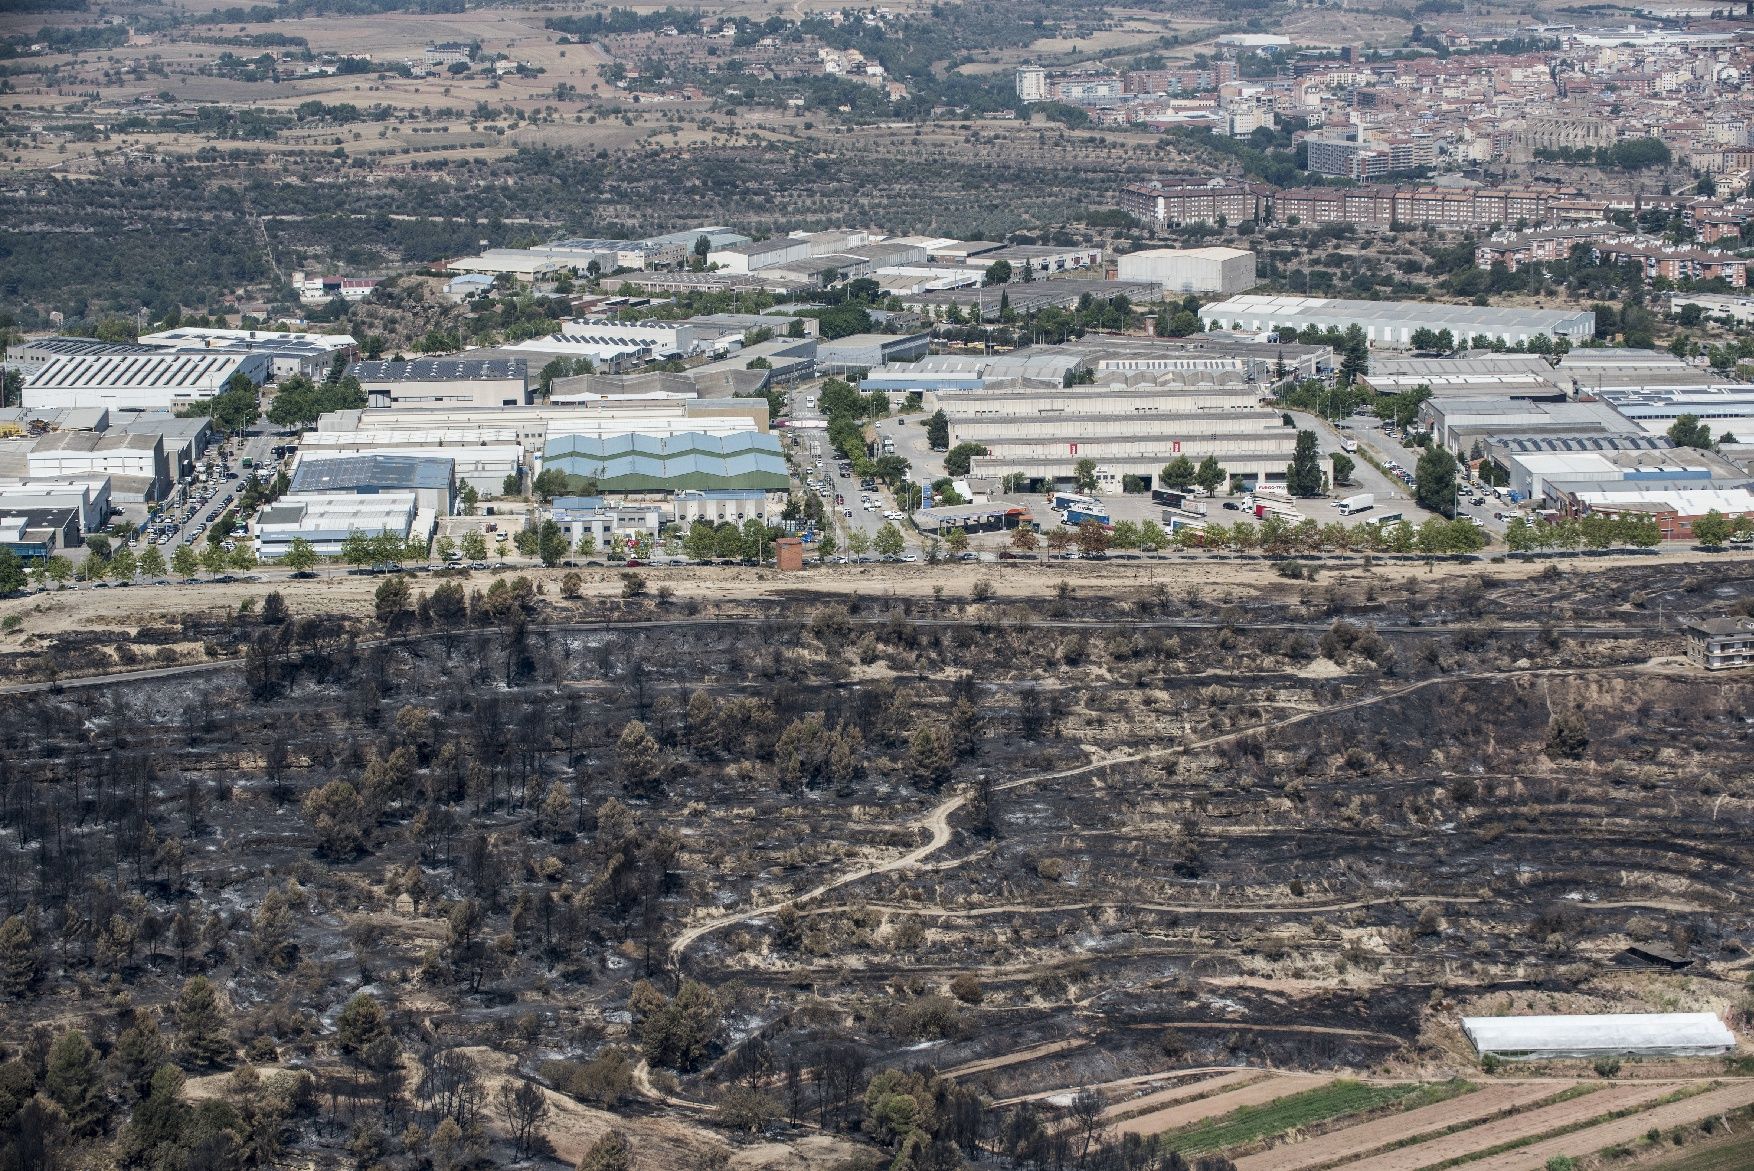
(371, 472)
(1413, 313)
(153, 369)
(441, 370)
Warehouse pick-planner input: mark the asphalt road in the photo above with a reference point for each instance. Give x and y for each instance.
(812, 445)
(256, 448)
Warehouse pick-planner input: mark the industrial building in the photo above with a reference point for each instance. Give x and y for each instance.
(89, 499)
(289, 353)
(1192, 270)
(1638, 1034)
(1393, 323)
(1727, 408)
(531, 426)
(1026, 298)
(431, 382)
(867, 351)
(1475, 377)
(1461, 423)
(481, 461)
(1254, 444)
(139, 378)
(787, 360)
(431, 479)
(33, 534)
(1675, 509)
(634, 462)
(135, 465)
(592, 516)
(326, 521)
(729, 505)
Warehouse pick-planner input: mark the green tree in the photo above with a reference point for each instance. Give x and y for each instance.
(1343, 467)
(73, 1080)
(676, 1033)
(958, 460)
(201, 1026)
(12, 575)
(361, 1025)
(1210, 475)
(391, 598)
(887, 542)
(184, 563)
(337, 814)
(938, 431)
(301, 556)
(1434, 481)
(1688, 431)
(998, 273)
(237, 405)
(152, 562)
(1178, 472)
(19, 958)
(214, 560)
(1304, 476)
(551, 543)
(825, 544)
(1713, 529)
(474, 546)
(609, 1153)
(1084, 474)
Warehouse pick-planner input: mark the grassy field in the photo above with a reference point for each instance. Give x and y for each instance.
(1253, 1123)
(1735, 1155)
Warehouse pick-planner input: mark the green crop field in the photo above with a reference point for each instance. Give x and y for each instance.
(1735, 1155)
(1253, 1123)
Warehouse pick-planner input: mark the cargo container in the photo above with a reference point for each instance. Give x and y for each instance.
(1077, 516)
(1358, 503)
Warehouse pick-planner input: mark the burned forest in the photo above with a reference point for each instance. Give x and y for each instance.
(829, 879)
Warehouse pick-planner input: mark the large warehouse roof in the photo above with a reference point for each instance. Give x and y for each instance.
(1657, 1033)
(160, 369)
(440, 370)
(371, 473)
(1398, 315)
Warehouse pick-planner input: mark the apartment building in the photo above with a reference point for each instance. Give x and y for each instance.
(1174, 202)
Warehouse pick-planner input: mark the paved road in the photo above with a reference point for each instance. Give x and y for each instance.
(256, 448)
(813, 444)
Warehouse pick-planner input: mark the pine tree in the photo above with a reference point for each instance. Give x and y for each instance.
(1304, 476)
(75, 1082)
(18, 959)
(201, 1039)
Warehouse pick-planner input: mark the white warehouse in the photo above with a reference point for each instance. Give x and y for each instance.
(1393, 323)
(326, 521)
(1632, 1034)
(1192, 270)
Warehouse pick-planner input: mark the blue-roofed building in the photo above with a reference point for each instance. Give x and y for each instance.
(630, 463)
(431, 479)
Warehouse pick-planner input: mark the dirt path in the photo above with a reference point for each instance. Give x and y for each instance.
(1173, 908)
(1547, 1118)
(1621, 1130)
(1370, 1136)
(1188, 1113)
(1137, 1079)
(1047, 1049)
(1162, 1098)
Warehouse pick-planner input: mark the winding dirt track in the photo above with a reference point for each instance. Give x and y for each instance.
(936, 822)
